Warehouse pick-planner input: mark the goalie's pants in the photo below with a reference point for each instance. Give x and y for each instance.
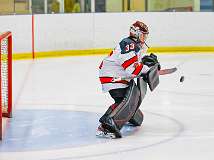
(118, 96)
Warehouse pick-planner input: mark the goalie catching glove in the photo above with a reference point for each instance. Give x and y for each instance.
(151, 60)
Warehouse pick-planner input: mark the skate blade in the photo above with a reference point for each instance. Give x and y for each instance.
(106, 135)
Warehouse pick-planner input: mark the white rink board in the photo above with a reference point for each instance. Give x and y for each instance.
(104, 30)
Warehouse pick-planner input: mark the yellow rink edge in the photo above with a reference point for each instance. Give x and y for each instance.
(105, 51)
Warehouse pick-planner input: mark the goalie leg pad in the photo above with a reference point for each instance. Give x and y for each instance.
(108, 123)
(137, 119)
(127, 108)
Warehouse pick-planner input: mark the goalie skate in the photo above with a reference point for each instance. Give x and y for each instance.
(104, 133)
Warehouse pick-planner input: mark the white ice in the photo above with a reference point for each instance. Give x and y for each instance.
(178, 121)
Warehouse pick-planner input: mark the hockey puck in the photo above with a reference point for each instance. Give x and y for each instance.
(182, 79)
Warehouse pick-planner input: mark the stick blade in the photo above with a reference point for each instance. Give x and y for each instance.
(167, 71)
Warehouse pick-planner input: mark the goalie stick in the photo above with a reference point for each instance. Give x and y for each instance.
(161, 72)
(167, 71)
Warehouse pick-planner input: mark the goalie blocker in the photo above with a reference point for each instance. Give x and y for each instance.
(128, 110)
(152, 77)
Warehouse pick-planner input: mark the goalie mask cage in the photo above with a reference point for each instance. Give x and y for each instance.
(5, 77)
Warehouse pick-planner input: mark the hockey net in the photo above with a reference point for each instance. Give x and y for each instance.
(5, 77)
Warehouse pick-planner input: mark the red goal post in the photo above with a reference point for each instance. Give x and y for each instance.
(5, 77)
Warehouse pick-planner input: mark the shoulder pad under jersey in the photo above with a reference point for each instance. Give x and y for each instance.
(127, 45)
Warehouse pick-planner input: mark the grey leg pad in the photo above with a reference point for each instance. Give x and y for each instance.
(137, 119)
(127, 108)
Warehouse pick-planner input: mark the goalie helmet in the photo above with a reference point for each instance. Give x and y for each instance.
(137, 29)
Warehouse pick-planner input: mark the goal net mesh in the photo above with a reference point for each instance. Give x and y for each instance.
(4, 75)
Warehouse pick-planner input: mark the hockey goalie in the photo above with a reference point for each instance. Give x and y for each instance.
(128, 59)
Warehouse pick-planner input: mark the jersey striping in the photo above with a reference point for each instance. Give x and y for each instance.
(123, 61)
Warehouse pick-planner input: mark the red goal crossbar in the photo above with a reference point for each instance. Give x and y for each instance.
(5, 77)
